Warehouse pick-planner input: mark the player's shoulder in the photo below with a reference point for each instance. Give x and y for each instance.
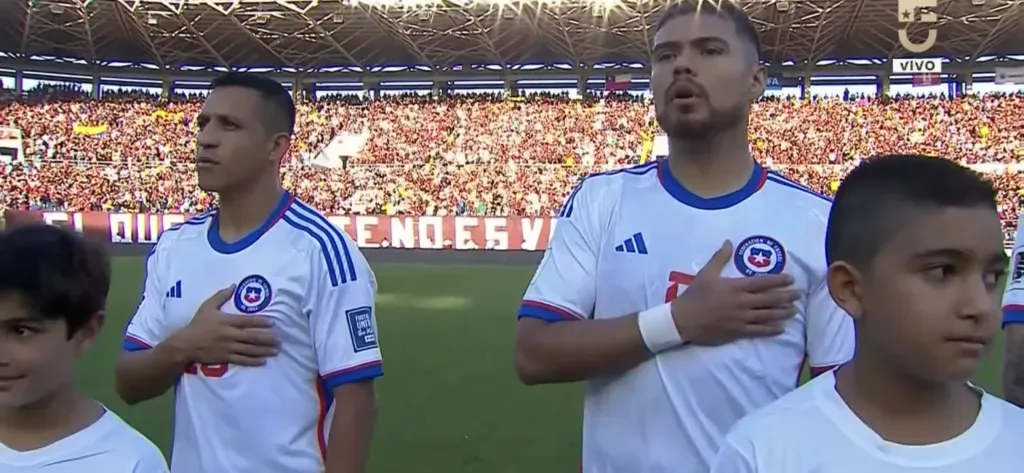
(1012, 416)
(131, 441)
(192, 229)
(629, 175)
(780, 190)
(792, 191)
(600, 188)
(802, 406)
(114, 446)
(323, 242)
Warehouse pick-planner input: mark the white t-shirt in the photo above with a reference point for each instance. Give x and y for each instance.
(632, 239)
(1013, 299)
(812, 430)
(108, 445)
(310, 278)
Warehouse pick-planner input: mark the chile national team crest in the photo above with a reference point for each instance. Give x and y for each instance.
(253, 294)
(759, 255)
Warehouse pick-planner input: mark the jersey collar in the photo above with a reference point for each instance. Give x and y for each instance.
(683, 195)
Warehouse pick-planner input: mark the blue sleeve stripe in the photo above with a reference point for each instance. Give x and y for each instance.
(1013, 314)
(134, 344)
(546, 312)
(355, 374)
(342, 239)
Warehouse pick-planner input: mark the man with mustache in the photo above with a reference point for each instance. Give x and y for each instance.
(687, 292)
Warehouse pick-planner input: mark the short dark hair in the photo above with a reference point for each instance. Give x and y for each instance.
(878, 197)
(57, 272)
(723, 8)
(281, 106)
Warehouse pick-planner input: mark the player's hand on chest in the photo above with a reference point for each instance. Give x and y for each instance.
(237, 325)
(743, 291)
(215, 339)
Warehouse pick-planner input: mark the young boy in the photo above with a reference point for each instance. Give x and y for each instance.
(915, 254)
(53, 288)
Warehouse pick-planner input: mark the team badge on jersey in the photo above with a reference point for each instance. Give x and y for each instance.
(759, 255)
(253, 294)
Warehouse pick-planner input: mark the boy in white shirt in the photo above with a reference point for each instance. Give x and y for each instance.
(915, 253)
(53, 289)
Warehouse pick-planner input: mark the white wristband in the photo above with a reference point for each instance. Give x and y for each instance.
(658, 328)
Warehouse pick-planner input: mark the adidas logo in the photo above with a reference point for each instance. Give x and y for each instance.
(633, 244)
(174, 292)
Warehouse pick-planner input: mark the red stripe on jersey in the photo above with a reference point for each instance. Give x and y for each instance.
(350, 368)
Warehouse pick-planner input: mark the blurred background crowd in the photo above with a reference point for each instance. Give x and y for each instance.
(471, 155)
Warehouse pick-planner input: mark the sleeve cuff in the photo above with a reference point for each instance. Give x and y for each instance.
(546, 312)
(132, 343)
(1013, 314)
(353, 374)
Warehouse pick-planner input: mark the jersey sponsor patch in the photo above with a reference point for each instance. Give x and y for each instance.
(253, 294)
(360, 325)
(759, 255)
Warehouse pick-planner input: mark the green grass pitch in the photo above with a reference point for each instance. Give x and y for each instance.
(449, 400)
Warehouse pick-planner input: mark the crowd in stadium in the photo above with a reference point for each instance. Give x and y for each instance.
(470, 155)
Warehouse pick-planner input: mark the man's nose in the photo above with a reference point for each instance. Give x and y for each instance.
(206, 139)
(684, 64)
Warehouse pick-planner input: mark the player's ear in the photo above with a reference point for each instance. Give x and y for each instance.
(88, 332)
(845, 286)
(758, 82)
(279, 146)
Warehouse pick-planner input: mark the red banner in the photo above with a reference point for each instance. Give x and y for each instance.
(368, 231)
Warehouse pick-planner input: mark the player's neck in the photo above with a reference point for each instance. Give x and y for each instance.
(240, 211)
(48, 420)
(712, 167)
(903, 409)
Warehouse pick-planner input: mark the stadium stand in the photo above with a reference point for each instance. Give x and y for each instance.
(467, 154)
(498, 157)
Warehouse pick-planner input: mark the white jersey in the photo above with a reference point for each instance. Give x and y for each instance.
(108, 445)
(1013, 299)
(309, 277)
(812, 430)
(632, 239)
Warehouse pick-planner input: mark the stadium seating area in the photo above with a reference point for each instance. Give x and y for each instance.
(471, 155)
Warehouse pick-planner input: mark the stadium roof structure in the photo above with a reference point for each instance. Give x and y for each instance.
(448, 35)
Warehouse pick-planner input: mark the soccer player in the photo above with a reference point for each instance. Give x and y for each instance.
(1013, 323)
(53, 289)
(687, 291)
(915, 252)
(274, 372)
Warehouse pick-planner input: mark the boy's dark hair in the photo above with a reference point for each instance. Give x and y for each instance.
(723, 8)
(881, 195)
(57, 273)
(281, 118)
